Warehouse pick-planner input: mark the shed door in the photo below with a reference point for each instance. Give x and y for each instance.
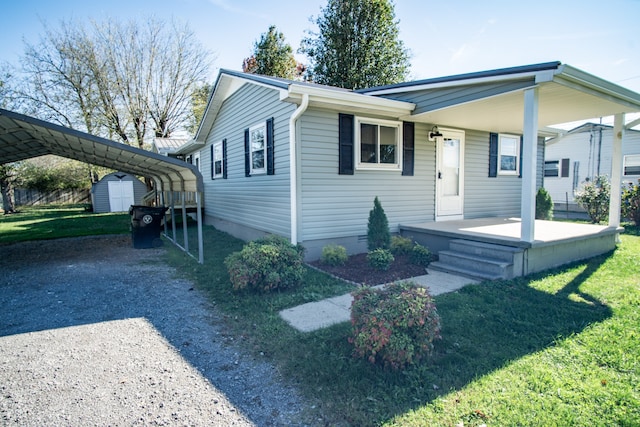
(120, 195)
(450, 175)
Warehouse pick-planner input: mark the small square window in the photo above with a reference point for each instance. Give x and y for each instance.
(632, 165)
(509, 154)
(551, 168)
(378, 144)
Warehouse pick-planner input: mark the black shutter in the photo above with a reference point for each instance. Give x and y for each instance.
(493, 155)
(520, 159)
(408, 148)
(565, 168)
(270, 148)
(345, 142)
(213, 163)
(224, 158)
(247, 153)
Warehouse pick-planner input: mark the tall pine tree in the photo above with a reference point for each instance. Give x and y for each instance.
(357, 45)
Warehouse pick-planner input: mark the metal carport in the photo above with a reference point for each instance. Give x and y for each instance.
(23, 137)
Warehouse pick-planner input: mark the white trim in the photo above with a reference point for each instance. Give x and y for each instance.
(263, 169)
(197, 161)
(397, 166)
(529, 159)
(615, 201)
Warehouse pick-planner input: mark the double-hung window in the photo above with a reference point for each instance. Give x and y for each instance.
(378, 144)
(552, 168)
(508, 154)
(218, 160)
(258, 148)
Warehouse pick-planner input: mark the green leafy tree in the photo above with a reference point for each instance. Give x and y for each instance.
(631, 202)
(199, 99)
(378, 236)
(357, 45)
(272, 56)
(8, 170)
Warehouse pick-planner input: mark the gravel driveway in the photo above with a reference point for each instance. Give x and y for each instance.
(94, 332)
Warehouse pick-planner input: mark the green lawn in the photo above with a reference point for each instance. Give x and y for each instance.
(559, 348)
(553, 349)
(56, 221)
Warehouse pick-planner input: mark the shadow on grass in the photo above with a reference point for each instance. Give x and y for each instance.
(485, 327)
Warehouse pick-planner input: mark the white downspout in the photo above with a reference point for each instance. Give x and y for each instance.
(293, 166)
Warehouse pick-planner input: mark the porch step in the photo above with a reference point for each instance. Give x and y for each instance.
(477, 260)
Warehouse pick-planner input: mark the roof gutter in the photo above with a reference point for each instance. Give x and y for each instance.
(293, 166)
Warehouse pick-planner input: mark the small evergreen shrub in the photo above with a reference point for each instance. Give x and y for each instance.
(334, 255)
(266, 264)
(544, 205)
(401, 245)
(378, 236)
(420, 255)
(380, 259)
(594, 196)
(631, 202)
(394, 326)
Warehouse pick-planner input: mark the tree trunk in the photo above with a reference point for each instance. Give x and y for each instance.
(7, 199)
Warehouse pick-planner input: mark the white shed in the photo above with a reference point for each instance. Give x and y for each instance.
(116, 192)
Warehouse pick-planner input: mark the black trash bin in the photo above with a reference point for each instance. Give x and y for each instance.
(146, 223)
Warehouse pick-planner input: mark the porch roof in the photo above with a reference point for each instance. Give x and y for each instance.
(494, 100)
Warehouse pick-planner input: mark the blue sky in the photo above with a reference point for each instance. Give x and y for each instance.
(445, 37)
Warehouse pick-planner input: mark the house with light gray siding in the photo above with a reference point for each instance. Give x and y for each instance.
(306, 161)
(583, 153)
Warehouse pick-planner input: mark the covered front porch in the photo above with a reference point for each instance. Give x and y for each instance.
(493, 248)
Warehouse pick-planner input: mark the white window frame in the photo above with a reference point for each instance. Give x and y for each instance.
(397, 166)
(501, 171)
(221, 160)
(624, 164)
(196, 160)
(558, 168)
(263, 169)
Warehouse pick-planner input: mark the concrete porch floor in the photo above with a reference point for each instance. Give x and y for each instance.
(507, 231)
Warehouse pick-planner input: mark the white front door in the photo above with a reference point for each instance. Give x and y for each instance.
(120, 195)
(450, 175)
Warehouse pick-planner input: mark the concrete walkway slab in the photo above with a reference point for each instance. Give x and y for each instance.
(321, 314)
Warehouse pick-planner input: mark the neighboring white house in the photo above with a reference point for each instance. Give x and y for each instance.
(582, 154)
(117, 191)
(306, 161)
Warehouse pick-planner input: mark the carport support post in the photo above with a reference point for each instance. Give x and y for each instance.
(615, 201)
(199, 218)
(529, 154)
(184, 220)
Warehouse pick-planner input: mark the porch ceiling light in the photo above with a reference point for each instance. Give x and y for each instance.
(435, 133)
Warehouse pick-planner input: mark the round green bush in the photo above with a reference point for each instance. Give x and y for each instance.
(380, 259)
(420, 255)
(401, 245)
(394, 326)
(544, 205)
(266, 264)
(334, 255)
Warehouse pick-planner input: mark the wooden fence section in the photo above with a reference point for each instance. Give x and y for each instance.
(25, 197)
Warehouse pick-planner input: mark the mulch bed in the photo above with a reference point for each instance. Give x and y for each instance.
(357, 270)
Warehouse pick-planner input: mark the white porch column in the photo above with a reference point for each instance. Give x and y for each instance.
(529, 155)
(616, 171)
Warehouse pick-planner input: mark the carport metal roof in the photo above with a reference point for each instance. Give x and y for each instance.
(23, 137)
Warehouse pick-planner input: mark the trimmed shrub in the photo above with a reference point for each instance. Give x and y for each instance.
(594, 198)
(420, 255)
(266, 264)
(334, 255)
(544, 205)
(394, 326)
(401, 245)
(380, 259)
(378, 236)
(631, 202)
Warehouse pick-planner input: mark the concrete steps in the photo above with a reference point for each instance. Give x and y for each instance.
(478, 260)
